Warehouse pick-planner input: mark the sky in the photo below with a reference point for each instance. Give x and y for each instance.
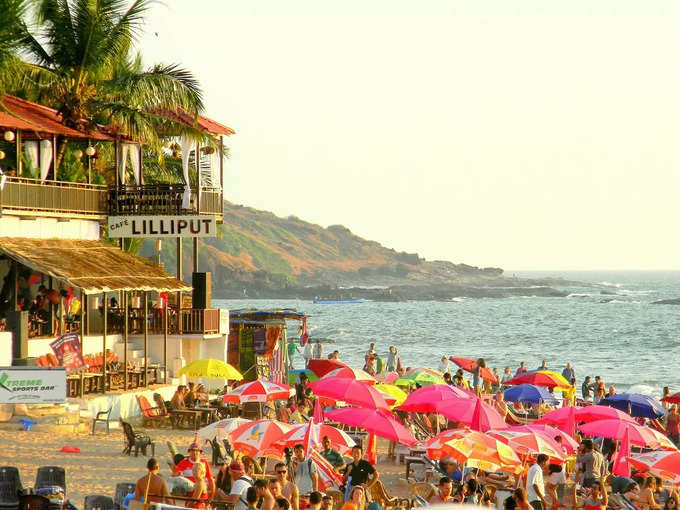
(522, 135)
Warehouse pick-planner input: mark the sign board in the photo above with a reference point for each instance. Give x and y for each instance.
(68, 351)
(224, 321)
(162, 226)
(32, 385)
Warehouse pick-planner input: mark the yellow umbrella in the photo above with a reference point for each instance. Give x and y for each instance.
(393, 391)
(211, 369)
(563, 384)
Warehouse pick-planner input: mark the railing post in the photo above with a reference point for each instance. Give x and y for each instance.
(106, 327)
(126, 333)
(165, 341)
(146, 337)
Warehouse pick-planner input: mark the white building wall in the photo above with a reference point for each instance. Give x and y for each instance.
(5, 349)
(46, 228)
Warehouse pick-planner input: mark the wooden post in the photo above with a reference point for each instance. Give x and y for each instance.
(15, 286)
(221, 178)
(85, 304)
(20, 162)
(179, 277)
(197, 160)
(141, 168)
(146, 337)
(195, 254)
(54, 157)
(165, 341)
(106, 326)
(126, 332)
(51, 309)
(83, 298)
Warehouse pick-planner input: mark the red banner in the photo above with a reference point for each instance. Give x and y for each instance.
(68, 351)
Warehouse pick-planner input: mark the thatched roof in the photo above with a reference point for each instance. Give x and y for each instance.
(92, 266)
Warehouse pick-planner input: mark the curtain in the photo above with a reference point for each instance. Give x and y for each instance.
(186, 150)
(122, 160)
(31, 151)
(45, 158)
(134, 151)
(273, 335)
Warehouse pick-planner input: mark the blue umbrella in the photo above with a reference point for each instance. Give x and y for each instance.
(529, 393)
(635, 404)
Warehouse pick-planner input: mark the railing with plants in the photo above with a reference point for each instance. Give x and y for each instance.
(162, 199)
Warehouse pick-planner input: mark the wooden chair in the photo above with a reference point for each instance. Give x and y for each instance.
(379, 495)
(424, 489)
(152, 415)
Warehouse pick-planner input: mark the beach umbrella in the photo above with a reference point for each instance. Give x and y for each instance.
(425, 399)
(210, 369)
(530, 442)
(635, 404)
(616, 429)
(421, 377)
(434, 444)
(373, 421)
(661, 463)
(322, 366)
(393, 392)
(565, 418)
(254, 437)
(387, 377)
(621, 466)
(471, 412)
(529, 393)
(220, 429)
(423, 369)
(568, 442)
(540, 378)
(478, 450)
(294, 374)
(469, 365)
(672, 399)
(258, 391)
(338, 438)
(351, 373)
(349, 391)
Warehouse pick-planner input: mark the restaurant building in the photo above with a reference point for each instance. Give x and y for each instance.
(62, 266)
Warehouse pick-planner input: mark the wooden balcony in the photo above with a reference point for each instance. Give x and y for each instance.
(32, 197)
(162, 200)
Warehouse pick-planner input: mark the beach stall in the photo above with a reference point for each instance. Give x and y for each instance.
(257, 344)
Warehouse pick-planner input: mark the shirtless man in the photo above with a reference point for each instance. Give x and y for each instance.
(155, 483)
(288, 489)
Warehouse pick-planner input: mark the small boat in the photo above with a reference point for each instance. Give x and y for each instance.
(341, 301)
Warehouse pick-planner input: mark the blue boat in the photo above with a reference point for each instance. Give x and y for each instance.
(328, 301)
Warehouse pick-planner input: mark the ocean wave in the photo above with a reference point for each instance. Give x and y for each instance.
(623, 302)
(582, 294)
(609, 284)
(458, 299)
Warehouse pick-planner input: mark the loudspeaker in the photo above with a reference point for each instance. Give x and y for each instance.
(202, 295)
(17, 323)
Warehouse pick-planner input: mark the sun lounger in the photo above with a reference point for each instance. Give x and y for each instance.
(152, 415)
(10, 487)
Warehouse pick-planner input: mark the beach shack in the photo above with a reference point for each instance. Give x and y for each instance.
(257, 343)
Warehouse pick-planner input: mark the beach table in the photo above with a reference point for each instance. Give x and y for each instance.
(193, 415)
(208, 414)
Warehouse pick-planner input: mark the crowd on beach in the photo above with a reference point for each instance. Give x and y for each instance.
(581, 479)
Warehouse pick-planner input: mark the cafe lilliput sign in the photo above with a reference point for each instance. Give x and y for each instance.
(162, 226)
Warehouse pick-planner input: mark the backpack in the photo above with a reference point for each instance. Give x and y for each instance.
(250, 484)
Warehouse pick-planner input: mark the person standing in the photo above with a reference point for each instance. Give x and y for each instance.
(288, 489)
(315, 499)
(360, 471)
(599, 390)
(444, 491)
(307, 353)
(318, 350)
(331, 455)
(392, 356)
(444, 366)
(477, 376)
(543, 366)
(242, 480)
(673, 424)
(586, 389)
(521, 370)
(293, 349)
(535, 487)
(306, 475)
(593, 463)
(154, 483)
(568, 372)
(186, 467)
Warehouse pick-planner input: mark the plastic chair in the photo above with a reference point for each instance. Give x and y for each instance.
(98, 502)
(122, 490)
(27, 423)
(102, 417)
(10, 487)
(136, 440)
(49, 476)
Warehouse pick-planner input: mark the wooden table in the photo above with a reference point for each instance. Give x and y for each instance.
(210, 414)
(177, 414)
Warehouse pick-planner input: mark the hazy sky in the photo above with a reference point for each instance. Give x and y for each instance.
(519, 134)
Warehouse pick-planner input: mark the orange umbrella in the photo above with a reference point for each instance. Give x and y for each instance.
(478, 450)
(530, 443)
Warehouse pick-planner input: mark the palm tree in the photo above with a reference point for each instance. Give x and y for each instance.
(81, 64)
(11, 35)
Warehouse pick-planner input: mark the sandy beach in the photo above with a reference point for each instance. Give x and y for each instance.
(100, 465)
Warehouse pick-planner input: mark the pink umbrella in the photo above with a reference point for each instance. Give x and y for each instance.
(616, 429)
(472, 412)
(425, 399)
(373, 421)
(621, 465)
(387, 377)
(350, 391)
(351, 373)
(567, 441)
(584, 414)
(259, 391)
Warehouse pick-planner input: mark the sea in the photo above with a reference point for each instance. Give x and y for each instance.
(611, 329)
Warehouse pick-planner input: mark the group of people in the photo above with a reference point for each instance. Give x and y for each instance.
(294, 485)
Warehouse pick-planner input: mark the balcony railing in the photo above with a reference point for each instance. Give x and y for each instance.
(161, 200)
(53, 198)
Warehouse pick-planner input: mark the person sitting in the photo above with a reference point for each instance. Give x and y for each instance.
(190, 396)
(200, 486)
(597, 500)
(177, 401)
(449, 467)
(444, 490)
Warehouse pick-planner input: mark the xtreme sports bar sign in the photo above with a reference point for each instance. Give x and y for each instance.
(32, 385)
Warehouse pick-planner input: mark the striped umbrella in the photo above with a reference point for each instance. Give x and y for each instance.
(351, 373)
(258, 391)
(221, 429)
(254, 437)
(530, 443)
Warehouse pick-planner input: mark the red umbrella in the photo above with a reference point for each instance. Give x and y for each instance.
(259, 391)
(662, 463)
(321, 367)
(351, 373)
(350, 391)
(387, 377)
(672, 399)
(472, 412)
(539, 378)
(338, 438)
(425, 399)
(567, 441)
(566, 418)
(252, 437)
(373, 421)
(469, 365)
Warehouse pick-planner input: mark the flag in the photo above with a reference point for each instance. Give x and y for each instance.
(328, 477)
(304, 335)
(372, 449)
(621, 466)
(312, 439)
(477, 417)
